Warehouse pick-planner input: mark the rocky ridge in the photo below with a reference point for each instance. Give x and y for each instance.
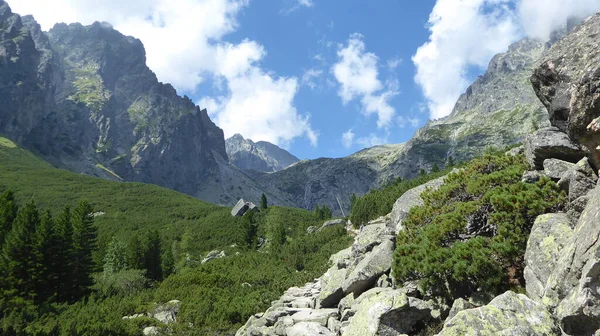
(260, 156)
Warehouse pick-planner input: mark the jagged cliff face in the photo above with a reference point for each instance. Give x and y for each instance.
(260, 156)
(83, 98)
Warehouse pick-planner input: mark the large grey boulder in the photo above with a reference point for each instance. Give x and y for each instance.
(331, 291)
(320, 316)
(509, 314)
(550, 143)
(151, 331)
(369, 269)
(411, 199)
(216, 254)
(308, 329)
(241, 207)
(459, 305)
(549, 235)
(555, 168)
(578, 180)
(389, 312)
(577, 276)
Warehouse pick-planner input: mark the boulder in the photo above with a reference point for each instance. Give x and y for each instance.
(509, 314)
(549, 235)
(333, 222)
(241, 207)
(331, 291)
(578, 180)
(308, 329)
(576, 279)
(411, 199)
(370, 236)
(151, 331)
(213, 255)
(555, 168)
(369, 269)
(320, 316)
(459, 305)
(311, 229)
(390, 313)
(550, 143)
(167, 313)
(341, 259)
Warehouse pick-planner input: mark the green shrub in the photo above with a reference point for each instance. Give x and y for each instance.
(472, 231)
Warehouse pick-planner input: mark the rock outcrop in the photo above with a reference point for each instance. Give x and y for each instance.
(261, 156)
(508, 314)
(567, 81)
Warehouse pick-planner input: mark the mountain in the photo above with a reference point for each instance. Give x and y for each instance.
(260, 156)
(83, 98)
(499, 109)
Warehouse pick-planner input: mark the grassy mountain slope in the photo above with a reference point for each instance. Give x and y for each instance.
(217, 297)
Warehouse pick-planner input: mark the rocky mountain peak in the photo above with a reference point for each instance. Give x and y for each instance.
(261, 156)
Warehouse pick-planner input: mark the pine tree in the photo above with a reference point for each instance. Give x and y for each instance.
(21, 262)
(435, 168)
(450, 161)
(48, 245)
(353, 199)
(422, 172)
(317, 212)
(152, 256)
(8, 213)
(115, 259)
(168, 261)
(250, 230)
(64, 253)
(263, 201)
(135, 253)
(84, 243)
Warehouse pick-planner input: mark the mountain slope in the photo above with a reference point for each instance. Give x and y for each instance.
(497, 110)
(83, 98)
(260, 156)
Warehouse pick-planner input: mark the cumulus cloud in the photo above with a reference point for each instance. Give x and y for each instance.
(310, 77)
(295, 5)
(468, 33)
(184, 46)
(402, 122)
(540, 18)
(348, 138)
(357, 74)
(394, 63)
(373, 140)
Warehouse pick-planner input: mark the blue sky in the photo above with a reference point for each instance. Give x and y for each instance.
(322, 78)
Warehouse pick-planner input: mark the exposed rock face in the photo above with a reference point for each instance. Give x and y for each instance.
(567, 81)
(261, 156)
(242, 206)
(508, 314)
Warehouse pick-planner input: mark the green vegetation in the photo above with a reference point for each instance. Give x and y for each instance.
(380, 202)
(89, 88)
(150, 243)
(471, 233)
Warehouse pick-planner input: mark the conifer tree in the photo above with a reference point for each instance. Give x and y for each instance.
(48, 245)
(84, 243)
(152, 256)
(8, 213)
(135, 253)
(263, 201)
(450, 161)
(20, 259)
(64, 253)
(435, 168)
(168, 261)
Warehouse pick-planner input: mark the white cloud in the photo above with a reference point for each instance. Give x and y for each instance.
(407, 121)
(373, 140)
(357, 73)
(261, 108)
(467, 33)
(463, 33)
(297, 4)
(184, 46)
(310, 76)
(394, 63)
(540, 18)
(348, 138)
(306, 3)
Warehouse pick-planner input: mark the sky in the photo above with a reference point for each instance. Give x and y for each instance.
(320, 78)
